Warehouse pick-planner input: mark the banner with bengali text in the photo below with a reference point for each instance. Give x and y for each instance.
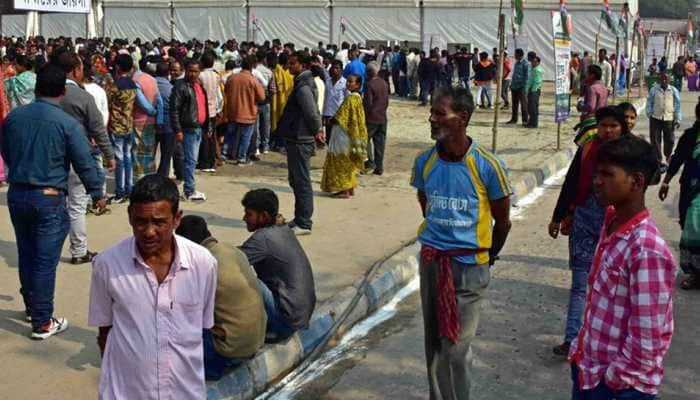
(59, 6)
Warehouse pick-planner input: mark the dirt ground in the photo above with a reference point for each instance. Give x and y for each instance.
(409, 133)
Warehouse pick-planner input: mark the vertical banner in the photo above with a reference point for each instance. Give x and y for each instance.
(562, 57)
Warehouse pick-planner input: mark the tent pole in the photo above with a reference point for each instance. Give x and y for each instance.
(421, 12)
(172, 21)
(247, 22)
(330, 23)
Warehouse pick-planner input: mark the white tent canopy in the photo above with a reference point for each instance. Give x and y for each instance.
(307, 22)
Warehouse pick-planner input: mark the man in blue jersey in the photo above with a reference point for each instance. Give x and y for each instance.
(464, 194)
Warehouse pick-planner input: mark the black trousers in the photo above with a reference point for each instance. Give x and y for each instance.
(299, 168)
(533, 108)
(661, 131)
(519, 99)
(376, 142)
(165, 140)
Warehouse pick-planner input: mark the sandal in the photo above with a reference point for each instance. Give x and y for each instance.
(562, 349)
(690, 282)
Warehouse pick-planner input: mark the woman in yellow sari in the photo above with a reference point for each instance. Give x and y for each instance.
(347, 149)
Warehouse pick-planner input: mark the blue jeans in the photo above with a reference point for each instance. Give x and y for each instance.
(603, 392)
(124, 172)
(41, 225)
(262, 127)
(464, 81)
(583, 240)
(190, 148)
(275, 324)
(577, 302)
(238, 136)
(215, 363)
(483, 91)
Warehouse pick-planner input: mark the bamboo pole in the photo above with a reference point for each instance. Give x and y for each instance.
(499, 78)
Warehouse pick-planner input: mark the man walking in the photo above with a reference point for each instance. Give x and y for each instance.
(376, 102)
(40, 143)
(507, 77)
(151, 296)
(189, 116)
(533, 89)
(664, 111)
(463, 60)
(81, 105)
(517, 87)
(300, 126)
(464, 194)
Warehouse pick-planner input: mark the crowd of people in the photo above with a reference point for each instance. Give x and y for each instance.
(79, 109)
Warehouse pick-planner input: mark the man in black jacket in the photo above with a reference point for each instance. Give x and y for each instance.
(187, 98)
(300, 126)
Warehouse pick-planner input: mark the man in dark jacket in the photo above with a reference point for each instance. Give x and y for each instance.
(428, 73)
(281, 264)
(300, 126)
(186, 100)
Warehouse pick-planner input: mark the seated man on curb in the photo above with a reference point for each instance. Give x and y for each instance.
(239, 314)
(281, 264)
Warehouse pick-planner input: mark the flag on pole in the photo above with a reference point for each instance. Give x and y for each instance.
(565, 19)
(518, 11)
(343, 26)
(607, 16)
(691, 33)
(622, 21)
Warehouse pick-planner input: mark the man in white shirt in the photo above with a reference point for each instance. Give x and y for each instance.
(664, 111)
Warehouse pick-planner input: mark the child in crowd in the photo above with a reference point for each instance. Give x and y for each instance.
(628, 320)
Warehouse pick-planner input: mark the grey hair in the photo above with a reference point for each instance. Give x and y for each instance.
(373, 66)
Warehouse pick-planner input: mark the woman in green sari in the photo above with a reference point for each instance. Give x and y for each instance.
(20, 88)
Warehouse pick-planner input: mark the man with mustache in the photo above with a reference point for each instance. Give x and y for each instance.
(462, 191)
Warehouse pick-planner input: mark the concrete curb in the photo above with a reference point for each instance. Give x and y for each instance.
(273, 362)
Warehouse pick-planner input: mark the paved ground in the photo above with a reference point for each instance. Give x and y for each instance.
(522, 319)
(348, 236)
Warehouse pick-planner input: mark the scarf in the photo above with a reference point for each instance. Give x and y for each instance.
(448, 315)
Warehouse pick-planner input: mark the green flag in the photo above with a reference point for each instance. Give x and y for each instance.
(518, 11)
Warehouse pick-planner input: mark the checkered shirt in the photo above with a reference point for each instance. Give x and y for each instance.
(628, 320)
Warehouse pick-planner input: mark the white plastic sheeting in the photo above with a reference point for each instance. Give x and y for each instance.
(216, 23)
(13, 25)
(479, 27)
(377, 23)
(146, 23)
(301, 26)
(54, 25)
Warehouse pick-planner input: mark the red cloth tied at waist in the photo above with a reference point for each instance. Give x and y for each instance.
(448, 315)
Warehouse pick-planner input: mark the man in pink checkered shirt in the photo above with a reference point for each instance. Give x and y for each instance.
(628, 320)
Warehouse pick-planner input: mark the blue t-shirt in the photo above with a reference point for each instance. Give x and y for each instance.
(458, 212)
